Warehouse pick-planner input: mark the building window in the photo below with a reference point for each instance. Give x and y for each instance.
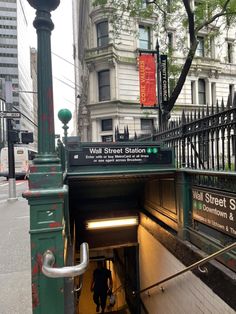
(143, 4)
(106, 125)
(169, 6)
(107, 138)
(170, 41)
(231, 92)
(229, 52)
(201, 92)
(212, 47)
(193, 92)
(147, 125)
(200, 47)
(104, 85)
(102, 34)
(144, 37)
(213, 93)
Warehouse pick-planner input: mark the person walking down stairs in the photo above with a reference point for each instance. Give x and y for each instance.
(101, 285)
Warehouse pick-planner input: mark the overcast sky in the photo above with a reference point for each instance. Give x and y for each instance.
(62, 45)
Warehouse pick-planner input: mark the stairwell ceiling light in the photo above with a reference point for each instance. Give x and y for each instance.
(112, 223)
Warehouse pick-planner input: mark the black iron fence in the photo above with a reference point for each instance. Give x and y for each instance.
(204, 138)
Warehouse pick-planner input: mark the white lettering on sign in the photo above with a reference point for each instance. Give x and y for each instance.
(113, 150)
(135, 150)
(198, 195)
(232, 203)
(122, 150)
(95, 150)
(215, 211)
(218, 201)
(233, 230)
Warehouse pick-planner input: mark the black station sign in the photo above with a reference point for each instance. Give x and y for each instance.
(101, 154)
(215, 209)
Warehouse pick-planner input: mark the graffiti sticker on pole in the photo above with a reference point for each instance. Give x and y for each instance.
(147, 80)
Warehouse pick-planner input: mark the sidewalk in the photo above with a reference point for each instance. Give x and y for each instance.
(15, 274)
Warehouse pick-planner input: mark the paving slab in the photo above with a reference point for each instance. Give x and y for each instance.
(15, 269)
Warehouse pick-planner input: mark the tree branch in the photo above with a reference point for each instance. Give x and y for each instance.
(211, 20)
(182, 77)
(189, 59)
(193, 46)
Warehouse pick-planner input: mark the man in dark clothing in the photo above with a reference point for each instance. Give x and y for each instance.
(100, 286)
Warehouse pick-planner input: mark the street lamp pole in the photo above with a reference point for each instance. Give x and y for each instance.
(10, 144)
(46, 133)
(159, 96)
(47, 195)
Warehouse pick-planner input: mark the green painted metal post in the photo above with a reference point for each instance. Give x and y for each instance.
(47, 194)
(186, 212)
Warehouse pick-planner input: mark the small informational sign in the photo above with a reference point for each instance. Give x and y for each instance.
(103, 155)
(164, 80)
(217, 210)
(147, 79)
(10, 114)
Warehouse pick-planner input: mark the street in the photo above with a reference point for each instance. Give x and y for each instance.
(15, 278)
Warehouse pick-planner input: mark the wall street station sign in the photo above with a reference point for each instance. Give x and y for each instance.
(217, 210)
(115, 154)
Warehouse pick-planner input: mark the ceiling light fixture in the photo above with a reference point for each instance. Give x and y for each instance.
(112, 223)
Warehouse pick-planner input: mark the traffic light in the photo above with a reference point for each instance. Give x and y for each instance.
(27, 137)
(13, 136)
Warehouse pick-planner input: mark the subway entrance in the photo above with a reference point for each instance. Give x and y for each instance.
(106, 196)
(108, 200)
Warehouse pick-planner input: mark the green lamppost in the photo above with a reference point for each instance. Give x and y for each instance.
(65, 116)
(46, 133)
(46, 195)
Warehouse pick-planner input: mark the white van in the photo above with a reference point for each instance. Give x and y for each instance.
(23, 159)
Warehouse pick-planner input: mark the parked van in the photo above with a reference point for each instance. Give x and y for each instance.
(23, 159)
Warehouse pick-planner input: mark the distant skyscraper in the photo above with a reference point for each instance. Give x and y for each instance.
(15, 58)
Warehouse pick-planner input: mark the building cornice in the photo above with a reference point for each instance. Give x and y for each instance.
(98, 12)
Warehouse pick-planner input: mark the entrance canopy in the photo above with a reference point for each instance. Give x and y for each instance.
(107, 188)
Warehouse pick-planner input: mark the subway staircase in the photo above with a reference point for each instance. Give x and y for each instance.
(123, 310)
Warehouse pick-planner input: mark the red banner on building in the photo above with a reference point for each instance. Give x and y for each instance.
(147, 79)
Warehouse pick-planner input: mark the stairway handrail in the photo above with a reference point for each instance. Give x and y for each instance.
(68, 271)
(197, 264)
